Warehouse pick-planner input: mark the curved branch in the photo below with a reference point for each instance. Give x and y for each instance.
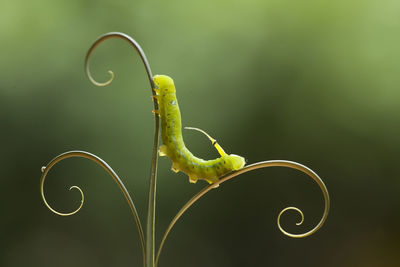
(132, 42)
(150, 229)
(102, 163)
(259, 165)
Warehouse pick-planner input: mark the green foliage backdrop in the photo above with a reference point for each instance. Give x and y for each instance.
(315, 82)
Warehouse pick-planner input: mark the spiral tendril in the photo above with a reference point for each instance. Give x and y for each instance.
(299, 223)
(92, 80)
(132, 42)
(82, 154)
(45, 170)
(150, 229)
(259, 165)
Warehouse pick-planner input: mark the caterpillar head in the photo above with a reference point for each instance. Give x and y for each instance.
(236, 161)
(164, 83)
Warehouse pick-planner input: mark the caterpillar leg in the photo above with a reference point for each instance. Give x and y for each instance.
(174, 168)
(192, 180)
(211, 181)
(163, 150)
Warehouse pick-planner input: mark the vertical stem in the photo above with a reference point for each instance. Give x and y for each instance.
(150, 229)
(151, 208)
(149, 258)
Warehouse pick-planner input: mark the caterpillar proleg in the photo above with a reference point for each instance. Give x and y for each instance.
(174, 147)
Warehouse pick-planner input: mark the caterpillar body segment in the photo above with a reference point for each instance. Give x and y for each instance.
(173, 146)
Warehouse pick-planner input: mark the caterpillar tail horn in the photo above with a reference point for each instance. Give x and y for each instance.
(213, 141)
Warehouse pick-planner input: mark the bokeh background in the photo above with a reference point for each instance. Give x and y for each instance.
(315, 82)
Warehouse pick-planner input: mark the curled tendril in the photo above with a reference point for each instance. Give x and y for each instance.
(278, 221)
(150, 229)
(131, 41)
(45, 170)
(259, 165)
(102, 163)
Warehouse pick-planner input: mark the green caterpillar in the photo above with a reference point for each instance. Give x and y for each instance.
(174, 147)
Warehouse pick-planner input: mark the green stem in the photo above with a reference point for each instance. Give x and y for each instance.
(102, 163)
(151, 218)
(150, 233)
(259, 165)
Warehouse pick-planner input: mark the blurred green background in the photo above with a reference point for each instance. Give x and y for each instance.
(315, 82)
